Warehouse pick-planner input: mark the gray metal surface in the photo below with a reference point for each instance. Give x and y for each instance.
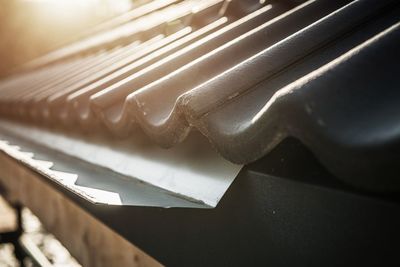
(132, 173)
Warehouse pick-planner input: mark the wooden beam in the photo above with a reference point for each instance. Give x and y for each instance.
(90, 241)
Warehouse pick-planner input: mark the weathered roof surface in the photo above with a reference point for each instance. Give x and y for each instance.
(244, 74)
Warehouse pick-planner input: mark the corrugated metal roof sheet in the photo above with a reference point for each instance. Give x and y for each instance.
(246, 74)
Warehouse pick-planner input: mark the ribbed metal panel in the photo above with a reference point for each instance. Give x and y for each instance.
(246, 74)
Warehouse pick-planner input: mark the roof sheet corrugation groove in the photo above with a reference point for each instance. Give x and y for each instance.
(80, 45)
(231, 69)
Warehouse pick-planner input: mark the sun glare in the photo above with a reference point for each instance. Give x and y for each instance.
(74, 9)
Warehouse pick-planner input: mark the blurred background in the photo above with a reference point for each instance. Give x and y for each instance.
(30, 28)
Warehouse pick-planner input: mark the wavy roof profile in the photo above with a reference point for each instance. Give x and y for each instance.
(245, 74)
